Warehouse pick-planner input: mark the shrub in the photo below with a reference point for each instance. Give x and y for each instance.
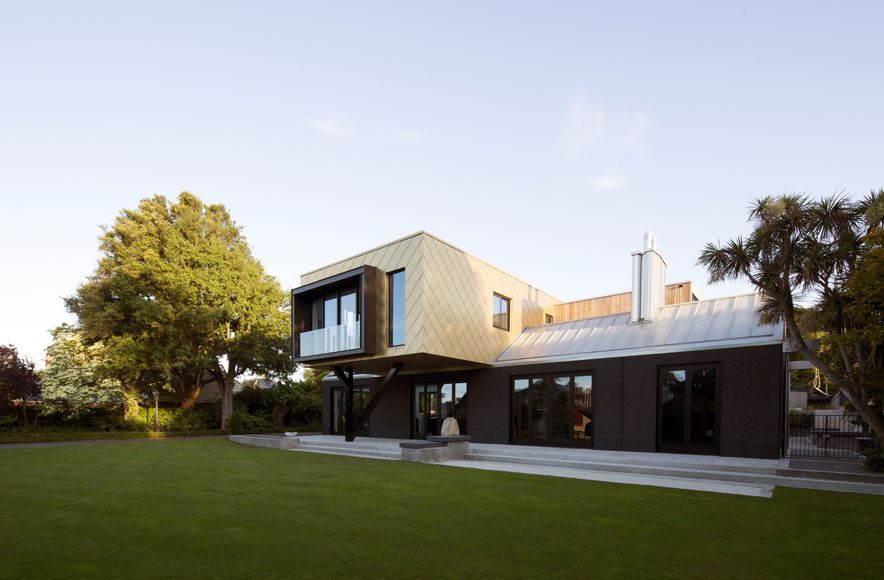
(243, 422)
(800, 419)
(874, 460)
(174, 419)
(84, 417)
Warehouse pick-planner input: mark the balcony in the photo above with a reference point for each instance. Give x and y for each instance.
(342, 337)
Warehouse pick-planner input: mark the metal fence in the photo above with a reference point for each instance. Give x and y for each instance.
(828, 434)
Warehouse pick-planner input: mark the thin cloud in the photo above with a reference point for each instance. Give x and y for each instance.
(608, 182)
(332, 127)
(636, 128)
(339, 129)
(396, 136)
(604, 142)
(584, 125)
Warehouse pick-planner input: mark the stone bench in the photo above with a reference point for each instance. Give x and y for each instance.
(435, 449)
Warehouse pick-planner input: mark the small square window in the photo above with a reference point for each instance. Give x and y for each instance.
(549, 319)
(501, 312)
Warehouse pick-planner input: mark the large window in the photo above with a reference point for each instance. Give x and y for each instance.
(434, 403)
(396, 310)
(687, 412)
(334, 323)
(361, 396)
(501, 311)
(338, 307)
(553, 410)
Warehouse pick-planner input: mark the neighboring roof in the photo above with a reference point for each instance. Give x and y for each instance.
(704, 325)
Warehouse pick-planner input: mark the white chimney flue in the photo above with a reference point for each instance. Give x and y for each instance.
(648, 281)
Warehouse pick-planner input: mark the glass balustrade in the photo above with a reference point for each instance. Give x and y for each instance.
(331, 339)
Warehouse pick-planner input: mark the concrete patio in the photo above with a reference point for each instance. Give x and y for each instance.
(731, 475)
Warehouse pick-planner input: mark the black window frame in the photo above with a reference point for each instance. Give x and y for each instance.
(336, 294)
(509, 310)
(439, 385)
(550, 441)
(686, 446)
(390, 275)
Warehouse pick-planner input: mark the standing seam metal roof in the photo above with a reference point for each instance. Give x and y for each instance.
(702, 325)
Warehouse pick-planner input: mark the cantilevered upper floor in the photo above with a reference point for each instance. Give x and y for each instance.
(417, 300)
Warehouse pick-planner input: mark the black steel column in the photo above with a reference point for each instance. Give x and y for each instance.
(345, 375)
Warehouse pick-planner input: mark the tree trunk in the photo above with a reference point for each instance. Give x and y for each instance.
(188, 385)
(871, 415)
(24, 412)
(226, 386)
(130, 405)
(279, 413)
(191, 395)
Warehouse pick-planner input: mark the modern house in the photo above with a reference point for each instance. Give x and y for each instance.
(418, 330)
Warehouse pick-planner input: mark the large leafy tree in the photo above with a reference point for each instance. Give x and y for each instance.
(73, 372)
(178, 297)
(828, 254)
(18, 381)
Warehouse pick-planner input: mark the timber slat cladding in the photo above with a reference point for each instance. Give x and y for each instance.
(676, 293)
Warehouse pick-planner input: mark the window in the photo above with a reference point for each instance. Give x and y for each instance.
(340, 307)
(334, 323)
(434, 403)
(361, 396)
(549, 319)
(552, 410)
(501, 312)
(396, 309)
(687, 411)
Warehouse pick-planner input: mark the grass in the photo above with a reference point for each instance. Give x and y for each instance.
(211, 509)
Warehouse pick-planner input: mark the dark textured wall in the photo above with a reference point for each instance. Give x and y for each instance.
(750, 400)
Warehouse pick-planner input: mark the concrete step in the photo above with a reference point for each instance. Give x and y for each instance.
(350, 452)
(697, 473)
(752, 490)
(364, 444)
(874, 478)
(633, 459)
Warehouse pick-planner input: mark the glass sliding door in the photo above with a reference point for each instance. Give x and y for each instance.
(521, 410)
(460, 406)
(339, 411)
(560, 394)
(687, 412)
(703, 409)
(426, 411)
(361, 396)
(582, 427)
(672, 401)
(432, 404)
(552, 410)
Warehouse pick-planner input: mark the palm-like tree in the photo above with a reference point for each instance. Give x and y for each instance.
(827, 253)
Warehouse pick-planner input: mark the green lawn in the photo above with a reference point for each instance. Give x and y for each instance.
(211, 509)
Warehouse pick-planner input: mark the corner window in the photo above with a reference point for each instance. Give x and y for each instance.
(396, 308)
(501, 312)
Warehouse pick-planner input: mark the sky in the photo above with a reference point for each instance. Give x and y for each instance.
(543, 137)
